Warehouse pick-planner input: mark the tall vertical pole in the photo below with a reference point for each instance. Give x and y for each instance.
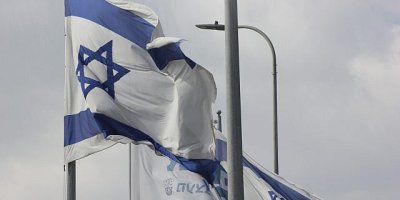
(275, 117)
(234, 126)
(71, 180)
(130, 171)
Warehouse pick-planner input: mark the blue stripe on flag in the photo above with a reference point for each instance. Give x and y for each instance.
(122, 22)
(83, 125)
(165, 54)
(111, 126)
(282, 189)
(79, 127)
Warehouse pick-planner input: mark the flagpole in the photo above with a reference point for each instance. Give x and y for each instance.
(130, 171)
(234, 127)
(219, 120)
(71, 180)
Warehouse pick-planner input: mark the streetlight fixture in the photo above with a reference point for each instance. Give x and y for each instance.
(221, 27)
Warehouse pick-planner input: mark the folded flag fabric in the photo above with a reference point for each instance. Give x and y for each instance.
(125, 82)
(154, 176)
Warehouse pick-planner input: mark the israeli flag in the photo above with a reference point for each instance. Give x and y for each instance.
(171, 180)
(125, 82)
(155, 177)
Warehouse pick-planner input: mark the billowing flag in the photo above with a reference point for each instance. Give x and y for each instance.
(170, 180)
(127, 83)
(155, 177)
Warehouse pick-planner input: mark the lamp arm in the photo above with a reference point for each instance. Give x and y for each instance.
(268, 41)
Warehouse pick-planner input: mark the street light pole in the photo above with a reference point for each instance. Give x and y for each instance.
(275, 93)
(221, 27)
(234, 124)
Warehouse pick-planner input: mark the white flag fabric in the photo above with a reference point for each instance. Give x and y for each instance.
(125, 82)
(157, 177)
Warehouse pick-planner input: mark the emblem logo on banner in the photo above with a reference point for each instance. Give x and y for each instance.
(168, 186)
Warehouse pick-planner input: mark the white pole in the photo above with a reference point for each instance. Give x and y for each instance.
(234, 127)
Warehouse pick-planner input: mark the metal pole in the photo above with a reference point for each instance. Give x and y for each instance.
(275, 95)
(219, 121)
(275, 118)
(234, 127)
(71, 180)
(130, 171)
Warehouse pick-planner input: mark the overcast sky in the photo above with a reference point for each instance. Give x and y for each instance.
(338, 87)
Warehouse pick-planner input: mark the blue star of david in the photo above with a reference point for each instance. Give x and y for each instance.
(114, 71)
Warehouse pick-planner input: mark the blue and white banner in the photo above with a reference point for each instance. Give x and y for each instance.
(155, 177)
(125, 82)
(170, 180)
